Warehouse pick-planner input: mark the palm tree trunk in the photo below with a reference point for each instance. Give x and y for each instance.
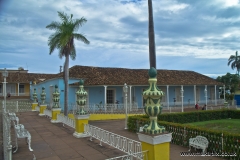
(152, 53)
(66, 76)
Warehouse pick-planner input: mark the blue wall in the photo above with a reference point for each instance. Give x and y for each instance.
(96, 93)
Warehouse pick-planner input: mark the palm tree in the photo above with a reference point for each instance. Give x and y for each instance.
(63, 40)
(234, 60)
(152, 53)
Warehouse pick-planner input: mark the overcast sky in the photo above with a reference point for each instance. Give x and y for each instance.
(196, 35)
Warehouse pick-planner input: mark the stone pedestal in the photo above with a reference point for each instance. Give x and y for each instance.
(55, 112)
(80, 120)
(158, 146)
(42, 108)
(34, 106)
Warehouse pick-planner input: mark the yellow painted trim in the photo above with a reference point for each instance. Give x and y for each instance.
(42, 108)
(108, 116)
(27, 88)
(79, 125)
(94, 117)
(55, 113)
(71, 116)
(157, 151)
(34, 105)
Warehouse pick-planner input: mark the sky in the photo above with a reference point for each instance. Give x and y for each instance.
(195, 35)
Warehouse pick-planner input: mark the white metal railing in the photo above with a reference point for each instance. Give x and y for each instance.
(66, 120)
(7, 147)
(108, 109)
(191, 103)
(136, 156)
(48, 113)
(124, 144)
(17, 94)
(38, 108)
(18, 106)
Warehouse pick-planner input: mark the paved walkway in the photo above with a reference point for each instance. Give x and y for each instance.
(55, 142)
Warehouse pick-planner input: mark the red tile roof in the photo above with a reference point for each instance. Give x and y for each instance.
(118, 76)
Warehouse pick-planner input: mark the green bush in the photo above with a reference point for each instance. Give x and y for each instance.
(173, 122)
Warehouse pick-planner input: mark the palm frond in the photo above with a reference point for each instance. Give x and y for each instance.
(81, 38)
(53, 41)
(64, 17)
(78, 23)
(54, 26)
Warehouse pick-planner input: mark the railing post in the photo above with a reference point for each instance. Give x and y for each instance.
(154, 137)
(34, 104)
(43, 106)
(17, 106)
(81, 117)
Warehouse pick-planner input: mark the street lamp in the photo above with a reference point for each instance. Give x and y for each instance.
(219, 91)
(205, 91)
(125, 90)
(182, 91)
(5, 75)
(224, 92)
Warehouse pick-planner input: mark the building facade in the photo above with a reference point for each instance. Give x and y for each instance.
(105, 86)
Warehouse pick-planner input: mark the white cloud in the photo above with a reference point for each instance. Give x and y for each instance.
(118, 32)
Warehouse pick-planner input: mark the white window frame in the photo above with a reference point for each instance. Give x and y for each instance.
(21, 90)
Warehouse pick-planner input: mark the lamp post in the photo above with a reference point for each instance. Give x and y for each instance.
(219, 91)
(182, 91)
(125, 90)
(5, 75)
(205, 91)
(224, 92)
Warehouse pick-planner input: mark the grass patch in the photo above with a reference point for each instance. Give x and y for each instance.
(227, 125)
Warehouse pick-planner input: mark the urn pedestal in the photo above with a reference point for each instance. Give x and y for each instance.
(80, 120)
(55, 112)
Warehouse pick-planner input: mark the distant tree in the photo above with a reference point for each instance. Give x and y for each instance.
(63, 40)
(231, 82)
(20, 68)
(234, 60)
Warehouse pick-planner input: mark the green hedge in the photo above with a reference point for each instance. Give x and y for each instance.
(197, 116)
(182, 132)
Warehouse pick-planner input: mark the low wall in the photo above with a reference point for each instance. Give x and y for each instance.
(94, 117)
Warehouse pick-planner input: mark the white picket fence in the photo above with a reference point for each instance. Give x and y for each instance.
(123, 144)
(66, 120)
(48, 113)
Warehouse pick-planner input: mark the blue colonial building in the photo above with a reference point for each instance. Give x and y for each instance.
(105, 86)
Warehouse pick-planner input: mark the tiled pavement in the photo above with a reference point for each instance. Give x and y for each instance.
(55, 142)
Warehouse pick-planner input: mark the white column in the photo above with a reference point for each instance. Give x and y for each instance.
(18, 90)
(105, 96)
(125, 90)
(195, 94)
(130, 98)
(168, 96)
(224, 92)
(5, 94)
(215, 95)
(182, 95)
(2, 88)
(206, 95)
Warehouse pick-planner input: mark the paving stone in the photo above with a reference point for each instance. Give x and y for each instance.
(53, 141)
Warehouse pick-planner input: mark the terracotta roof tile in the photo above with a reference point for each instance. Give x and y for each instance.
(118, 76)
(27, 77)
